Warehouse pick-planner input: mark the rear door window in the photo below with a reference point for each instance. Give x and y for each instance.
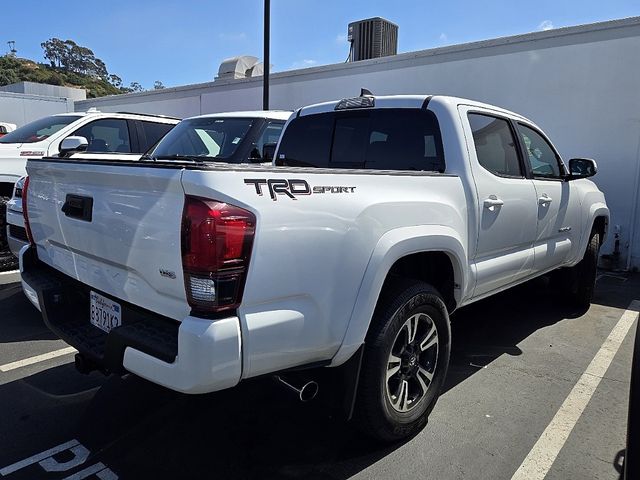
(495, 145)
(153, 132)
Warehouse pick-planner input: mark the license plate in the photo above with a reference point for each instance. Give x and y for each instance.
(103, 312)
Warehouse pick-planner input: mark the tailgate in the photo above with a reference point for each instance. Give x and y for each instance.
(115, 228)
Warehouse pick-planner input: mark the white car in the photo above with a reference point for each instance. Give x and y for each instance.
(123, 133)
(338, 265)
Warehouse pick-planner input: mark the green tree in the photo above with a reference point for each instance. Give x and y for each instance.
(55, 51)
(115, 80)
(9, 70)
(68, 55)
(135, 87)
(158, 85)
(67, 64)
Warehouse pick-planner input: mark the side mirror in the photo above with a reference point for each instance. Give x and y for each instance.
(72, 145)
(582, 168)
(268, 151)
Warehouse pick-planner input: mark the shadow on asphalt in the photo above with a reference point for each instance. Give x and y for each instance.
(485, 330)
(28, 325)
(256, 430)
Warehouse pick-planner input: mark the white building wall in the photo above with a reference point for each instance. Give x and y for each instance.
(21, 108)
(580, 84)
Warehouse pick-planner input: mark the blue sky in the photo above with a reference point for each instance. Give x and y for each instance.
(184, 42)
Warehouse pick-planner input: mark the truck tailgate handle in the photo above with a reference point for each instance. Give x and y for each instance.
(77, 206)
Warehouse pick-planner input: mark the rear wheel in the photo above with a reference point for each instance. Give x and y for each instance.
(577, 283)
(405, 361)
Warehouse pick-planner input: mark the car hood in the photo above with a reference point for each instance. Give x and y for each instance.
(9, 148)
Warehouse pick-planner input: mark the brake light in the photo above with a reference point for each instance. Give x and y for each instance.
(25, 213)
(216, 248)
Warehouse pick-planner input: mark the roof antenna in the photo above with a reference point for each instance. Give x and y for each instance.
(365, 93)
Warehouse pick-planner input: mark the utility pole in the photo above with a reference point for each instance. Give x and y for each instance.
(265, 75)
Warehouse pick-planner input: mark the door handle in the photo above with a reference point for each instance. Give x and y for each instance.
(544, 199)
(493, 202)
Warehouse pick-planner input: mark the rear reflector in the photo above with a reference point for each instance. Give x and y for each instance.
(216, 247)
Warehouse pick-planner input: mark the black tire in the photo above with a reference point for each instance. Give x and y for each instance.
(577, 283)
(375, 414)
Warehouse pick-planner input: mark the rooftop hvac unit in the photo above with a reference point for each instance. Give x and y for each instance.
(236, 67)
(372, 38)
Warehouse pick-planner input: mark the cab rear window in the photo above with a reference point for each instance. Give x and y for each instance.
(382, 139)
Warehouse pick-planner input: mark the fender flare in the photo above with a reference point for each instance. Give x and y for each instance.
(392, 246)
(596, 210)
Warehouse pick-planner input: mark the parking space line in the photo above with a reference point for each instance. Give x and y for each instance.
(38, 457)
(99, 470)
(538, 462)
(37, 359)
(12, 276)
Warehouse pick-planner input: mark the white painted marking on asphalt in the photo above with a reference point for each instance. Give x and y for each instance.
(9, 277)
(80, 455)
(37, 359)
(100, 470)
(539, 460)
(37, 457)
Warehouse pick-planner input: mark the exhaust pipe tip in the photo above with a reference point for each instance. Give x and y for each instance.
(305, 393)
(309, 391)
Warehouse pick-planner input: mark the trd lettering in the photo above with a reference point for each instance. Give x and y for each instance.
(292, 188)
(334, 189)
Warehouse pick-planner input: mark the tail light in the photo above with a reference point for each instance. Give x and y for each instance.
(25, 213)
(216, 247)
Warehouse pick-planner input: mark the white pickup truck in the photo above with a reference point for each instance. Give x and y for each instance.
(380, 217)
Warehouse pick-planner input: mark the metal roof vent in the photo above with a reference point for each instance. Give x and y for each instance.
(372, 38)
(256, 71)
(236, 67)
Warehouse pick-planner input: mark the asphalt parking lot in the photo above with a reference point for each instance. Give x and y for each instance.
(516, 358)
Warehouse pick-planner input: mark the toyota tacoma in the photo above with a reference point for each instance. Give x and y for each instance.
(379, 217)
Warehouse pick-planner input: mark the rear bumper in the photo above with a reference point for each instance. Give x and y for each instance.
(193, 356)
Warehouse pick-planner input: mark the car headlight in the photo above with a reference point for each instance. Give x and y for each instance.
(17, 189)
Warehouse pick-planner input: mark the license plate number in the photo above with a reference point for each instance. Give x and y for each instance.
(103, 312)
